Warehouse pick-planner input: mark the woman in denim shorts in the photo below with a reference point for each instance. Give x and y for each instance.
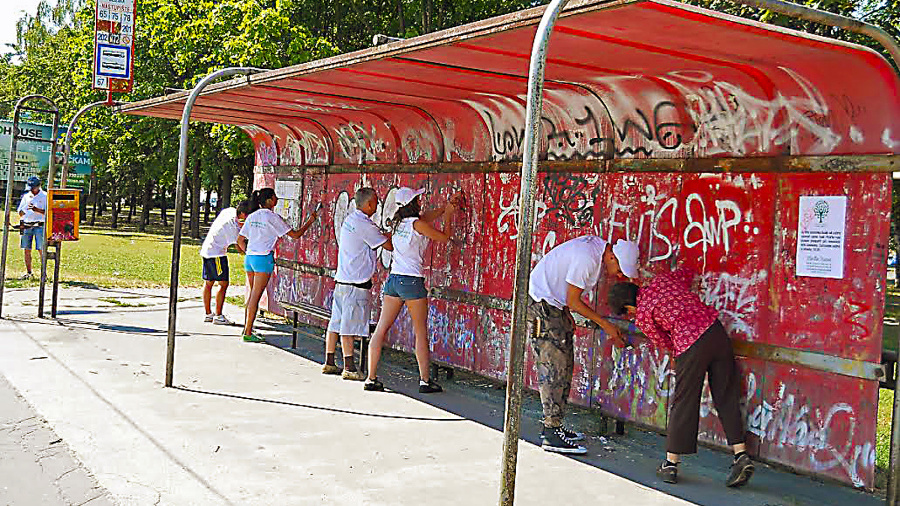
(406, 283)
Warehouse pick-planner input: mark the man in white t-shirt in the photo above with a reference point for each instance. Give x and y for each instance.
(32, 210)
(222, 233)
(358, 239)
(558, 283)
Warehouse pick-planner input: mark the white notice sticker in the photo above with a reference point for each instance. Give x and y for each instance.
(820, 236)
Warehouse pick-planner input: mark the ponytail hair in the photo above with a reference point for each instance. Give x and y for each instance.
(259, 197)
(411, 210)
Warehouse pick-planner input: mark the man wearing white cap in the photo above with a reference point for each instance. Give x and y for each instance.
(558, 282)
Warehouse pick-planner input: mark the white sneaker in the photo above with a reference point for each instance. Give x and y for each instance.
(208, 318)
(221, 320)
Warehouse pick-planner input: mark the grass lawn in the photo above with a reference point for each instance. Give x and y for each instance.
(111, 258)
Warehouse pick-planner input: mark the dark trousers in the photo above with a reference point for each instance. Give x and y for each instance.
(710, 354)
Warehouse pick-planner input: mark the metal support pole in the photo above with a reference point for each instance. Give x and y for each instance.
(55, 295)
(179, 206)
(14, 138)
(515, 373)
(67, 147)
(51, 176)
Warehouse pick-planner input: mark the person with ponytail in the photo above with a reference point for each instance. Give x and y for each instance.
(258, 236)
(406, 283)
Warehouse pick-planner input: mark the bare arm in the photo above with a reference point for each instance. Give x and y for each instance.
(574, 302)
(388, 245)
(425, 228)
(242, 244)
(298, 233)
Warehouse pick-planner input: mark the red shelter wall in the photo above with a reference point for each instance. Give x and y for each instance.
(738, 231)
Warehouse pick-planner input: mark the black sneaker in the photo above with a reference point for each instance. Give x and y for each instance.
(429, 388)
(373, 385)
(571, 435)
(668, 474)
(741, 471)
(555, 441)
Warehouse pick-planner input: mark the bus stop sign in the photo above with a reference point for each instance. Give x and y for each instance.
(114, 46)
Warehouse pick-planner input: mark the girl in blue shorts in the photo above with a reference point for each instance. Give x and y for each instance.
(258, 236)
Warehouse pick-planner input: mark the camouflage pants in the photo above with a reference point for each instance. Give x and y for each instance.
(552, 332)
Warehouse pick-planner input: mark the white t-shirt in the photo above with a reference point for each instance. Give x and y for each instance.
(577, 262)
(222, 233)
(262, 229)
(409, 249)
(356, 248)
(39, 201)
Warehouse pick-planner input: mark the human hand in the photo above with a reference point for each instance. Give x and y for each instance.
(615, 334)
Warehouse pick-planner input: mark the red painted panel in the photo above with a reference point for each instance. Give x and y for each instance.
(824, 423)
(838, 317)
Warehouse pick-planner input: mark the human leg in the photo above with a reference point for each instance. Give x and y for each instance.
(724, 384)
(207, 296)
(260, 281)
(418, 312)
(390, 309)
(220, 297)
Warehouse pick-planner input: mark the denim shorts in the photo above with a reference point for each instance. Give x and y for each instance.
(405, 287)
(33, 233)
(260, 263)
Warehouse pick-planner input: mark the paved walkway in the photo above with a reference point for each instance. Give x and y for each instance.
(258, 424)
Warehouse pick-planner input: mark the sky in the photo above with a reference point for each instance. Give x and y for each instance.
(10, 12)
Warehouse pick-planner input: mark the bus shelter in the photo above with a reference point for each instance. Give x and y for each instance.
(760, 156)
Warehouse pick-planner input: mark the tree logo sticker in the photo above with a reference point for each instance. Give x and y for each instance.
(821, 210)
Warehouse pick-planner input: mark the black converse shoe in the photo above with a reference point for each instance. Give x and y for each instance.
(571, 435)
(555, 440)
(741, 471)
(429, 387)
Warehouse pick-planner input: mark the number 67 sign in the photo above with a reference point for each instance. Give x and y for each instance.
(114, 45)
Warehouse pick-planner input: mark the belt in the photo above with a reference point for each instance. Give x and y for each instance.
(365, 286)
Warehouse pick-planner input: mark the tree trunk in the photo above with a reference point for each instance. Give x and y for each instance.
(101, 208)
(163, 203)
(132, 201)
(400, 17)
(225, 188)
(146, 204)
(195, 200)
(207, 206)
(93, 199)
(114, 205)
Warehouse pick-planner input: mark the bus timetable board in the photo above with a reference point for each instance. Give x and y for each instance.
(33, 158)
(114, 46)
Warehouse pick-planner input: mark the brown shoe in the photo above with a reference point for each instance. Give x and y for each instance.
(353, 375)
(330, 369)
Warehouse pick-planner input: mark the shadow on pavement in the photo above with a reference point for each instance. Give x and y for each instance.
(320, 408)
(633, 456)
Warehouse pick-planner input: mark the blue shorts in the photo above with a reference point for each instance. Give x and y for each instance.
(405, 287)
(260, 263)
(37, 233)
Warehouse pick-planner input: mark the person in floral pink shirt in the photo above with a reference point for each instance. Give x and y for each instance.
(673, 317)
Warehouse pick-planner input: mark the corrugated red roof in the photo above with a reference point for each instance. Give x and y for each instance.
(647, 78)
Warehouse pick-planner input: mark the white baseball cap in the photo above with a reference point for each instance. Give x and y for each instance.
(627, 253)
(406, 195)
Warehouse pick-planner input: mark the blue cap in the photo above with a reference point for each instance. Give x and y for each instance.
(33, 182)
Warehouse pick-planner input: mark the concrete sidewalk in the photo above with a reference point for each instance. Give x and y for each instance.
(258, 424)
